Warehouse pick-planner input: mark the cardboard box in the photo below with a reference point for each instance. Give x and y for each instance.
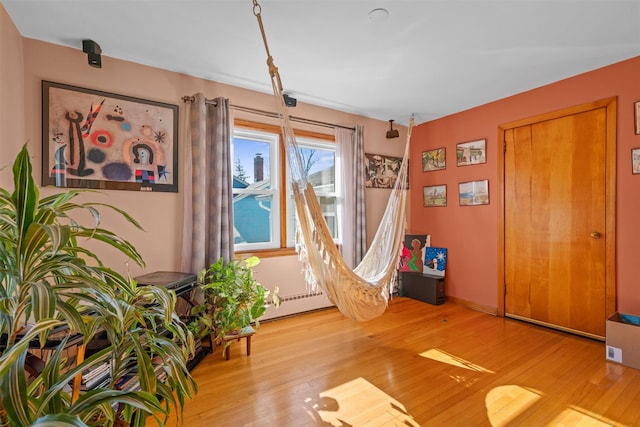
(623, 339)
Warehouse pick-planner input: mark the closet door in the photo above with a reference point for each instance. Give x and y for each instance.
(556, 221)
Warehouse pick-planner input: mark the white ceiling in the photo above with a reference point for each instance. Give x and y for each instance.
(429, 58)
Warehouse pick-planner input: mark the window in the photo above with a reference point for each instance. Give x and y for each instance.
(263, 205)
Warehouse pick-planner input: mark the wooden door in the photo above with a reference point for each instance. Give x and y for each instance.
(558, 219)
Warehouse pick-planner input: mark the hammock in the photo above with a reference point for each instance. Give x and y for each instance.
(362, 293)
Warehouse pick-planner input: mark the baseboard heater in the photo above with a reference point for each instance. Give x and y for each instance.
(298, 296)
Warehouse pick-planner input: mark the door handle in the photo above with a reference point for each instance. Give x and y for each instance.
(595, 235)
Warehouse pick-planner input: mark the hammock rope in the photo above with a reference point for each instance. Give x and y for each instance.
(362, 293)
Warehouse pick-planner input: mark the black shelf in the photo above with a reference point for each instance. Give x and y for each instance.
(182, 284)
(423, 287)
(54, 339)
(197, 358)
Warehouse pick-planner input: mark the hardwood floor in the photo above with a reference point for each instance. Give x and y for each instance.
(417, 365)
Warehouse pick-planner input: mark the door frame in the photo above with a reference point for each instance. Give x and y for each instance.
(610, 195)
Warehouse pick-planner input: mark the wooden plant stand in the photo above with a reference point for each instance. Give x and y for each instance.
(246, 333)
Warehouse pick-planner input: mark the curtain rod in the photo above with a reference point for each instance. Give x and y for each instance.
(272, 115)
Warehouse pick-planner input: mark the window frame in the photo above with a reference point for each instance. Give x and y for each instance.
(283, 184)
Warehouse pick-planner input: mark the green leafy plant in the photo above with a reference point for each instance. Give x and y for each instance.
(48, 280)
(231, 300)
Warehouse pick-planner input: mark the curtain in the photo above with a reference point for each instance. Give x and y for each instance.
(354, 237)
(208, 206)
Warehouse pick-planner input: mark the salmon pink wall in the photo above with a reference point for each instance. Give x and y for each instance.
(471, 233)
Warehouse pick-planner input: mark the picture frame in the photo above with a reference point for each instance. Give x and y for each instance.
(471, 153)
(473, 193)
(635, 161)
(412, 253)
(101, 140)
(435, 261)
(636, 109)
(434, 195)
(433, 160)
(382, 171)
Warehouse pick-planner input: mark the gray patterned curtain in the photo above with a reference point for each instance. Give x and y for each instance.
(354, 239)
(208, 206)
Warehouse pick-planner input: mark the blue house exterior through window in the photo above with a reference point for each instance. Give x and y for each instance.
(252, 216)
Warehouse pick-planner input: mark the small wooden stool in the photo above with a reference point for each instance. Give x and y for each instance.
(245, 332)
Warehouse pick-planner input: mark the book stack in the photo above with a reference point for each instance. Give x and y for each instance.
(96, 377)
(129, 383)
(160, 373)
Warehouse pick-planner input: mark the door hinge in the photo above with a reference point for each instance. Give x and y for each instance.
(504, 146)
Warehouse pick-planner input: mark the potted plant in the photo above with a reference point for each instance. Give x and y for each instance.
(48, 280)
(231, 298)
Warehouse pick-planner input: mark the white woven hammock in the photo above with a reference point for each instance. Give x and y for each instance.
(362, 293)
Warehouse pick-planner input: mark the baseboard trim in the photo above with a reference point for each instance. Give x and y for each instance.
(285, 316)
(473, 306)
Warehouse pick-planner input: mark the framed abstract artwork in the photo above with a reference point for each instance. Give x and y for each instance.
(412, 253)
(101, 140)
(435, 261)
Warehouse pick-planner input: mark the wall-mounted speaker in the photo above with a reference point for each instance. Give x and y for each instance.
(289, 101)
(93, 51)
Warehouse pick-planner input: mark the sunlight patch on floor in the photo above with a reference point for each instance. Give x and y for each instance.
(358, 403)
(444, 357)
(505, 403)
(575, 416)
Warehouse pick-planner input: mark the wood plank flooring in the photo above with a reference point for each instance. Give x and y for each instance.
(417, 365)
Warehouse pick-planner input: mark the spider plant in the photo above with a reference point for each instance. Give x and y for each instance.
(48, 280)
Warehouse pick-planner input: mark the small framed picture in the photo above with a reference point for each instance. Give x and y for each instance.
(636, 108)
(635, 161)
(433, 160)
(382, 171)
(474, 193)
(471, 153)
(434, 196)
